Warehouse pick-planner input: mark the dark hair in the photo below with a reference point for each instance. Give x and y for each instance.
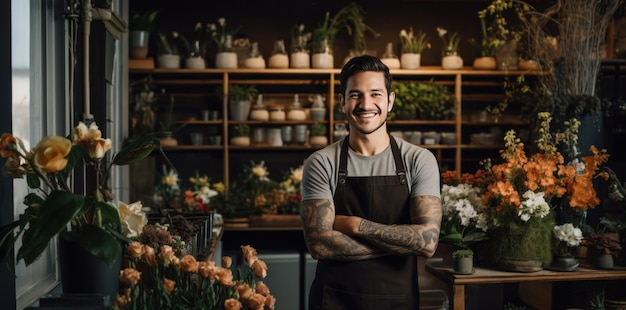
(361, 64)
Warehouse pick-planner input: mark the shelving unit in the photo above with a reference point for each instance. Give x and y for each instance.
(196, 90)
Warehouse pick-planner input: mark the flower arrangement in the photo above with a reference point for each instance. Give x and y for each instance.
(450, 41)
(567, 237)
(159, 279)
(53, 205)
(199, 197)
(522, 193)
(413, 43)
(168, 187)
(219, 33)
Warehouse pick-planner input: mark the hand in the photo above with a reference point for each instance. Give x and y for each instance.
(348, 225)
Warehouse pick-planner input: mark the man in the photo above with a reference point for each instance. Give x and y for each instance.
(370, 203)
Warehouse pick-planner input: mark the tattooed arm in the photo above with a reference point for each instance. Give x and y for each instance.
(323, 241)
(419, 238)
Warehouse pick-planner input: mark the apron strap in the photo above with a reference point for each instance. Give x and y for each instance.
(395, 150)
(343, 162)
(400, 170)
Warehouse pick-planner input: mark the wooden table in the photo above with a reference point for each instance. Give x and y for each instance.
(482, 275)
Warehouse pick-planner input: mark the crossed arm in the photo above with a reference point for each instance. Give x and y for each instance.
(340, 237)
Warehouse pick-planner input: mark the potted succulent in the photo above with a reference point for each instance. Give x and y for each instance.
(241, 135)
(318, 136)
(168, 128)
(412, 47)
(240, 99)
(141, 24)
(463, 260)
(169, 47)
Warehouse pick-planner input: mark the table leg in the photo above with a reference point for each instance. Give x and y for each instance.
(458, 297)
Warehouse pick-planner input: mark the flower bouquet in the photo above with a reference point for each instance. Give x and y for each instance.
(95, 220)
(156, 278)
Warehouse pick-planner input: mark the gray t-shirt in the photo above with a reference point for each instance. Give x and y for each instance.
(321, 169)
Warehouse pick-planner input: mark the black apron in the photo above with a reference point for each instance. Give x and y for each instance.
(389, 282)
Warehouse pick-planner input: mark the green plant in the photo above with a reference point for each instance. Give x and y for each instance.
(462, 253)
(169, 126)
(52, 205)
(350, 17)
(239, 92)
(241, 130)
(318, 129)
(412, 43)
(170, 42)
(451, 42)
(406, 102)
(143, 20)
(219, 33)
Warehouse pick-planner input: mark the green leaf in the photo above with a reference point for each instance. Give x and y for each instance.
(33, 180)
(110, 216)
(7, 243)
(451, 238)
(75, 155)
(54, 215)
(138, 149)
(96, 241)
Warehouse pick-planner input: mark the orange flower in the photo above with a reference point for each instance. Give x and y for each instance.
(129, 276)
(169, 285)
(188, 264)
(8, 143)
(259, 268)
(207, 269)
(262, 289)
(227, 261)
(149, 255)
(232, 304)
(270, 302)
(135, 249)
(244, 291)
(256, 301)
(224, 277)
(249, 254)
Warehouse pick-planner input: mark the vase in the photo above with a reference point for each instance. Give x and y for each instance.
(300, 60)
(168, 141)
(195, 62)
(522, 246)
(451, 61)
(169, 61)
(410, 61)
(484, 63)
(84, 273)
(226, 60)
(323, 57)
(604, 261)
(464, 265)
(564, 263)
(239, 110)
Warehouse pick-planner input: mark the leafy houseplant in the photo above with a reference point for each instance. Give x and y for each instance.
(143, 21)
(240, 99)
(241, 130)
(406, 104)
(462, 253)
(95, 223)
(141, 25)
(413, 43)
(350, 17)
(318, 129)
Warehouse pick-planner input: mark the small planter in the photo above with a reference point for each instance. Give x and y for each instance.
(195, 63)
(169, 61)
(300, 60)
(318, 141)
(226, 60)
(410, 61)
(484, 63)
(240, 141)
(464, 265)
(604, 261)
(168, 142)
(451, 62)
(138, 41)
(239, 110)
(323, 61)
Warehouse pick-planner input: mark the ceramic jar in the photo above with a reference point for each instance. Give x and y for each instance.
(279, 58)
(451, 61)
(410, 61)
(277, 113)
(169, 61)
(323, 57)
(196, 62)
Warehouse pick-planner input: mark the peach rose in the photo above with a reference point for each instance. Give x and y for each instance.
(262, 288)
(270, 302)
(227, 261)
(135, 249)
(207, 269)
(5, 149)
(50, 154)
(188, 264)
(82, 134)
(256, 301)
(169, 285)
(249, 254)
(224, 277)
(232, 304)
(166, 254)
(129, 276)
(260, 269)
(97, 148)
(244, 291)
(149, 255)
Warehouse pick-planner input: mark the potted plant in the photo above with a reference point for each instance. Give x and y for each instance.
(450, 59)
(241, 135)
(141, 24)
(318, 136)
(169, 47)
(240, 99)
(226, 58)
(412, 47)
(435, 101)
(463, 260)
(349, 17)
(168, 128)
(300, 47)
(485, 49)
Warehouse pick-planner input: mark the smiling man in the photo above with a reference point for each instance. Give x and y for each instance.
(370, 203)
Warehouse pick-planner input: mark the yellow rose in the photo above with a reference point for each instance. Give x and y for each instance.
(81, 134)
(50, 154)
(129, 276)
(232, 304)
(169, 285)
(135, 249)
(244, 291)
(97, 148)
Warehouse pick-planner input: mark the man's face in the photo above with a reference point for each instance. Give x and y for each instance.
(366, 102)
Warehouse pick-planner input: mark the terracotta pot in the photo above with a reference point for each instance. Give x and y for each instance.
(240, 141)
(484, 63)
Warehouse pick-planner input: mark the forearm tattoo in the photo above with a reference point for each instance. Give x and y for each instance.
(419, 238)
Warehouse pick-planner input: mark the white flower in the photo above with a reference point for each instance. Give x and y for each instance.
(171, 179)
(260, 171)
(569, 234)
(205, 193)
(133, 218)
(296, 175)
(534, 204)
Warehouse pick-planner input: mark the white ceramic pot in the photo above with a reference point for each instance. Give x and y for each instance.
(451, 62)
(484, 63)
(195, 63)
(410, 61)
(240, 141)
(300, 60)
(391, 63)
(226, 60)
(323, 61)
(169, 61)
(278, 61)
(254, 63)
